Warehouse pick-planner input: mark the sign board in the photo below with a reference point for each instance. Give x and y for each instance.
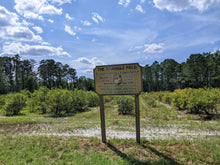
(125, 79)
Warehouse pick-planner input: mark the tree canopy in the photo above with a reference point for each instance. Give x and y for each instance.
(199, 70)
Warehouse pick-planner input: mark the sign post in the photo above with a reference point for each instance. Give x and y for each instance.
(125, 79)
(137, 115)
(102, 116)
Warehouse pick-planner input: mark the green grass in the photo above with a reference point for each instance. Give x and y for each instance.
(72, 150)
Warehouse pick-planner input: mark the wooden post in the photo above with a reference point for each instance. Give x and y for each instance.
(137, 114)
(102, 115)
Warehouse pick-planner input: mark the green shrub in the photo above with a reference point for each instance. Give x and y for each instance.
(197, 101)
(37, 103)
(14, 103)
(156, 95)
(204, 101)
(59, 102)
(167, 98)
(2, 101)
(26, 93)
(79, 100)
(149, 100)
(92, 99)
(109, 98)
(125, 105)
(179, 99)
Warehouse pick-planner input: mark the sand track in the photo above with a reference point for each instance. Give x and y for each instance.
(148, 132)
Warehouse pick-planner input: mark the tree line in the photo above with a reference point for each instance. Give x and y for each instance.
(17, 75)
(200, 70)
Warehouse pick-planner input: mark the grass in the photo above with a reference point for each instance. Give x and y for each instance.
(38, 149)
(72, 150)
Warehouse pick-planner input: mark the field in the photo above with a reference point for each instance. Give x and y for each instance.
(168, 136)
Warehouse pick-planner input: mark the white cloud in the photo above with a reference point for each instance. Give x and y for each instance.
(38, 29)
(35, 8)
(86, 65)
(50, 20)
(97, 18)
(203, 4)
(153, 48)
(7, 18)
(94, 40)
(86, 23)
(84, 60)
(171, 5)
(67, 16)
(60, 2)
(140, 9)
(11, 28)
(124, 3)
(77, 28)
(136, 48)
(69, 30)
(179, 5)
(33, 50)
(25, 23)
(51, 10)
(89, 63)
(147, 48)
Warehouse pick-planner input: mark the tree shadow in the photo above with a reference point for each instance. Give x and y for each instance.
(165, 159)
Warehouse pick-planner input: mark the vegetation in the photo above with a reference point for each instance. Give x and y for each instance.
(49, 108)
(14, 103)
(194, 101)
(17, 75)
(62, 102)
(72, 150)
(125, 105)
(57, 102)
(200, 70)
(42, 139)
(92, 99)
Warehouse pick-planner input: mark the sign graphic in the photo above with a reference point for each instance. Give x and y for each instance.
(125, 79)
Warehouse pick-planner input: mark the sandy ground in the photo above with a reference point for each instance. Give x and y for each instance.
(148, 132)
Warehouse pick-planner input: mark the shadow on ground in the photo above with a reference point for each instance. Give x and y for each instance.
(163, 159)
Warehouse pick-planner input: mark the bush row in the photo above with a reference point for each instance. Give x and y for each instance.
(57, 102)
(197, 101)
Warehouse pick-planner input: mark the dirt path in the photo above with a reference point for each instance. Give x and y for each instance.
(149, 132)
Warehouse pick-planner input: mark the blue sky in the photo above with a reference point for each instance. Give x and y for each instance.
(87, 33)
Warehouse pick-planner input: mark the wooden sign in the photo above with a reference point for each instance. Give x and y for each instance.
(125, 79)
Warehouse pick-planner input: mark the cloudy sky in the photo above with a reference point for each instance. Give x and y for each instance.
(86, 33)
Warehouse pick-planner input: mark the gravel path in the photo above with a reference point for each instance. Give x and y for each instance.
(148, 132)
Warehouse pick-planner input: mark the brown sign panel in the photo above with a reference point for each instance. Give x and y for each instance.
(125, 79)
